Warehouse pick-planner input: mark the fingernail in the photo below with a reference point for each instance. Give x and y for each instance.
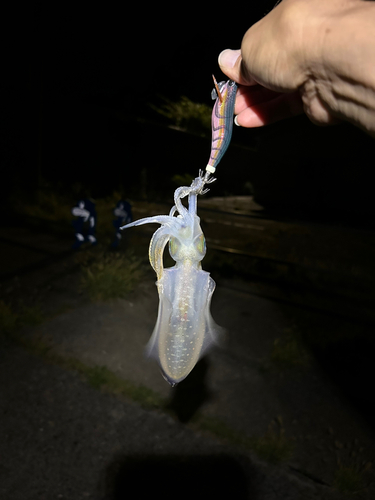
(236, 122)
(228, 58)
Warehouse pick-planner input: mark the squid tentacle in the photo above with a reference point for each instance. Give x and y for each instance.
(178, 195)
(157, 219)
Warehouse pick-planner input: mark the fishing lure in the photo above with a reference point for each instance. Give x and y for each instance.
(222, 121)
(184, 329)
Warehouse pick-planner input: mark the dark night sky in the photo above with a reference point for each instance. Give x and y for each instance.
(105, 48)
(71, 69)
(78, 63)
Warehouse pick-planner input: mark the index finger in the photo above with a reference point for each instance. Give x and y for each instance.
(248, 96)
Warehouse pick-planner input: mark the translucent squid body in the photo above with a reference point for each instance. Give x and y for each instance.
(184, 329)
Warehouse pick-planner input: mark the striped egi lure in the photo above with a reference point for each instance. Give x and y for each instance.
(184, 329)
(222, 121)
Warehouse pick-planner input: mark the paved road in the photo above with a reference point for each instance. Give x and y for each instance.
(60, 438)
(65, 439)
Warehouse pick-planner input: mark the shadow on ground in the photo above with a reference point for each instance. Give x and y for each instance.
(190, 394)
(350, 365)
(180, 476)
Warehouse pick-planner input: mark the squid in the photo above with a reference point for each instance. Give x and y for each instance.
(185, 329)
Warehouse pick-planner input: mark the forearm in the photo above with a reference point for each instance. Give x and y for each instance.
(340, 81)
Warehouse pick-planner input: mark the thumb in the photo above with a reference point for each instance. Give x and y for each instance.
(230, 62)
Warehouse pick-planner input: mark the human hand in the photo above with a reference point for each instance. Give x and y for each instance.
(280, 62)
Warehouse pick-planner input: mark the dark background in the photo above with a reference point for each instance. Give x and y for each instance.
(76, 89)
(76, 84)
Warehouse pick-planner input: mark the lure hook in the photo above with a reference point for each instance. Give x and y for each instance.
(217, 89)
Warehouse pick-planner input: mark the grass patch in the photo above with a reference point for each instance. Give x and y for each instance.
(349, 479)
(11, 319)
(99, 377)
(273, 446)
(186, 114)
(31, 316)
(182, 180)
(288, 352)
(8, 318)
(109, 275)
(45, 203)
(222, 430)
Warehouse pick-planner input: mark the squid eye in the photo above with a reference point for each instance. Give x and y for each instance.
(174, 246)
(200, 244)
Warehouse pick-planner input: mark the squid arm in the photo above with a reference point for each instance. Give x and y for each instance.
(159, 239)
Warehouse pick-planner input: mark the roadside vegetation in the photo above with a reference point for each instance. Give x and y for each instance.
(110, 275)
(51, 203)
(289, 351)
(13, 318)
(186, 115)
(273, 446)
(353, 477)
